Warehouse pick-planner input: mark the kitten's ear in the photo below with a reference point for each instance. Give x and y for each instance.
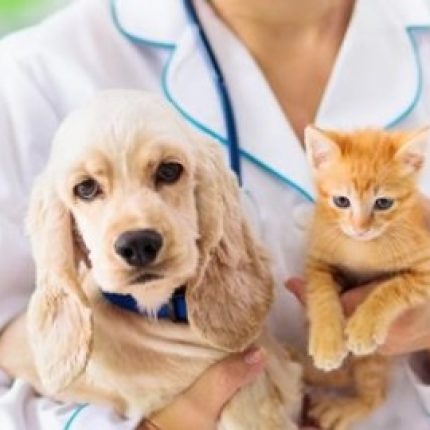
(320, 149)
(412, 153)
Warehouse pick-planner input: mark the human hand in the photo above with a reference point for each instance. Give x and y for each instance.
(426, 204)
(409, 333)
(200, 406)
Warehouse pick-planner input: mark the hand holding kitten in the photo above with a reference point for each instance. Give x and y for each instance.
(409, 333)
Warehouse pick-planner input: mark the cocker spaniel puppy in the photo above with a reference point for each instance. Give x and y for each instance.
(134, 205)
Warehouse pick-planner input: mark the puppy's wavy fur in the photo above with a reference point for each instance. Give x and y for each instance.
(80, 347)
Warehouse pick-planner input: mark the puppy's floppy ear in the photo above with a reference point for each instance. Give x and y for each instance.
(232, 291)
(59, 319)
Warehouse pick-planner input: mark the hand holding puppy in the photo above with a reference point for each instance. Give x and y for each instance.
(201, 405)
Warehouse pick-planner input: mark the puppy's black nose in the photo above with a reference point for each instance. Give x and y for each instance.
(139, 247)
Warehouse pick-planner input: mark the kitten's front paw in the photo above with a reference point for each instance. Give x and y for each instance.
(365, 333)
(327, 348)
(338, 413)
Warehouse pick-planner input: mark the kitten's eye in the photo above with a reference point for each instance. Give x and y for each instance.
(87, 190)
(383, 203)
(168, 173)
(341, 202)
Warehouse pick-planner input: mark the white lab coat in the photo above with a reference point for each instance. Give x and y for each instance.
(381, 78)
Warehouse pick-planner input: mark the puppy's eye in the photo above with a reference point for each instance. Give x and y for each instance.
(341, 202)
(168, 173)
(87, 190)
(383, 203)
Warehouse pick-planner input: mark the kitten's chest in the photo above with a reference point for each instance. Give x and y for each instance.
(368, 258)
(358, 263)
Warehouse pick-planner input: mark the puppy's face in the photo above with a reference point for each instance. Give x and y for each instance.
(132, 196)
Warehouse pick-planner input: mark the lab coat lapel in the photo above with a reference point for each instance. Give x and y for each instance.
(186, 79)
(158, 23)
(376, 78)
(375, 81)
(188, 84)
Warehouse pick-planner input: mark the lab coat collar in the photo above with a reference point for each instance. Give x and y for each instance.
(159, 23)
(376, 80)
(378, 52)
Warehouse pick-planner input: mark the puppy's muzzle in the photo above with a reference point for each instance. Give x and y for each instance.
(138, 248)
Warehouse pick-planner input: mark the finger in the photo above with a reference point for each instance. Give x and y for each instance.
(426, 204)
(393, 348)
(409, 333)
(199, 407)
(221, 381)
(351, 299)
(390, 350)
(298, 287)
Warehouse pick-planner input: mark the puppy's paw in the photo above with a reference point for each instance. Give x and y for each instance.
(365, 333)
(327, 348)
(338, 413)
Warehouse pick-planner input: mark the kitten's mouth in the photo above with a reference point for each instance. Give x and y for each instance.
(362, 235)
(365, 235)
(368, 235)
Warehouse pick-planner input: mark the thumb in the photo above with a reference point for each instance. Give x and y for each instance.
(221, 381)
(351, 299)
(298, 287)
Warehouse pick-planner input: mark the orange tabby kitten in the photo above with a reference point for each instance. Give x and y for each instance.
(368, 226)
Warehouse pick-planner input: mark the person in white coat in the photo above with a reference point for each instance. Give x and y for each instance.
(336, 63)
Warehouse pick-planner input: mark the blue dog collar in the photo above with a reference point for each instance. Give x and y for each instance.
(174, 310)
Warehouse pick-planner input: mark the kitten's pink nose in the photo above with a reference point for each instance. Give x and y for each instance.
(361, 224)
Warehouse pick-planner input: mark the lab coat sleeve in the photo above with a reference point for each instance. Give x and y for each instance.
(28, 121)
(419, 373)
(21, 409)
(22, 113)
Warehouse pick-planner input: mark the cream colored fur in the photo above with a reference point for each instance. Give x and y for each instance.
(79, 347)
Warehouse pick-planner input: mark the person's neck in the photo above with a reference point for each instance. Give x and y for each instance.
(284, 17)
(295, 38)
